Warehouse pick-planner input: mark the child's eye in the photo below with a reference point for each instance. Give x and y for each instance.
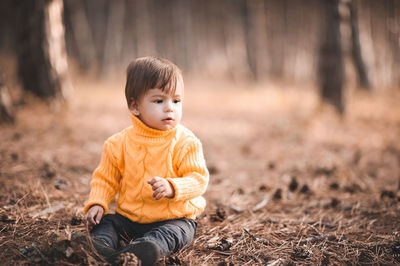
(177, 101)
(158, 101)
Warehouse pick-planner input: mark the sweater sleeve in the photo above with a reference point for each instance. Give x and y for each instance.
(193, 175)
(105, 181)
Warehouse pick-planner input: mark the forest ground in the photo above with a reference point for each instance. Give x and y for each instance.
(291, 182)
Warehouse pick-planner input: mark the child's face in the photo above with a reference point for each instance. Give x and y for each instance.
(158, 109)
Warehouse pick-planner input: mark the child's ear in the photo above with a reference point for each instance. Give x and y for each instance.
(134, 108)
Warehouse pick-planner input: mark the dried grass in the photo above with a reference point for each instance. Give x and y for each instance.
(286, 194)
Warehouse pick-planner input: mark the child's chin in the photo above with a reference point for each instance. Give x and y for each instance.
(166, 127)
(161, 127)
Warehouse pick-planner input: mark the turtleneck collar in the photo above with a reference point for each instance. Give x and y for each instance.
(144, 133)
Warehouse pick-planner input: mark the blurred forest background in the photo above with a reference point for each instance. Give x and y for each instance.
(296, 103)
(333, 44)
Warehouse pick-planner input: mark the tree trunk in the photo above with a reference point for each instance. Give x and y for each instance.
(235, 40)
(96, 12)
(143, 29)
(7, 114)
(182, 24)
(393, 26)
(42, 60)
(114, 37)
(330, 65)
(276, 14)
(82, 34)
(257, 39)
(359, 64)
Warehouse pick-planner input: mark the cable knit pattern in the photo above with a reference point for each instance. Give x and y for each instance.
(139, 153)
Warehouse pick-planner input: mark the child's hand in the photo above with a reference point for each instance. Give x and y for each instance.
(161, 187)
(94, 215)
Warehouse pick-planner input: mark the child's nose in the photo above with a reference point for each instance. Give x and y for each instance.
(169, 106)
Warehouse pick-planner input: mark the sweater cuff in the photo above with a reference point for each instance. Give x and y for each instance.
(99, 195)
(94, 202)
(185, 188)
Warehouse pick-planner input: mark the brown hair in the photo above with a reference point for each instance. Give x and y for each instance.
(150, 72)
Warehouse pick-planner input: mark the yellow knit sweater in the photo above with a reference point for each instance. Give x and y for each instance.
(139, 153)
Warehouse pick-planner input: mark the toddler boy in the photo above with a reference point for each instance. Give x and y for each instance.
(157, 168)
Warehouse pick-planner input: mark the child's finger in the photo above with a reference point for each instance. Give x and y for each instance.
(155, 196)
(157, 185)
(154, 180)
(99, 215)
(97, 218)
(90, 219)
(157, 191)
(160, 195)
(90, 226)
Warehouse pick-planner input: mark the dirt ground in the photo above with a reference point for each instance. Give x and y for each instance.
(291, 182)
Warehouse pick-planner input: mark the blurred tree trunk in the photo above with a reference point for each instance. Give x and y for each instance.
(7, 114)
(257, 40)
(360, 66)
(235, 40)
(276, 13)
(393, 22)
(97, 12)
(330, 61)
(7, 26)
(41, 55)
(81, 32)
(181, 23)
(143, 29)
(114, 37)
(165, 33)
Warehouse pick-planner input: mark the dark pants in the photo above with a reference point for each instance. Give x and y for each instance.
(170, 235)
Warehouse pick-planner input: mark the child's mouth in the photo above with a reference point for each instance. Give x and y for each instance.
(168, 120)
